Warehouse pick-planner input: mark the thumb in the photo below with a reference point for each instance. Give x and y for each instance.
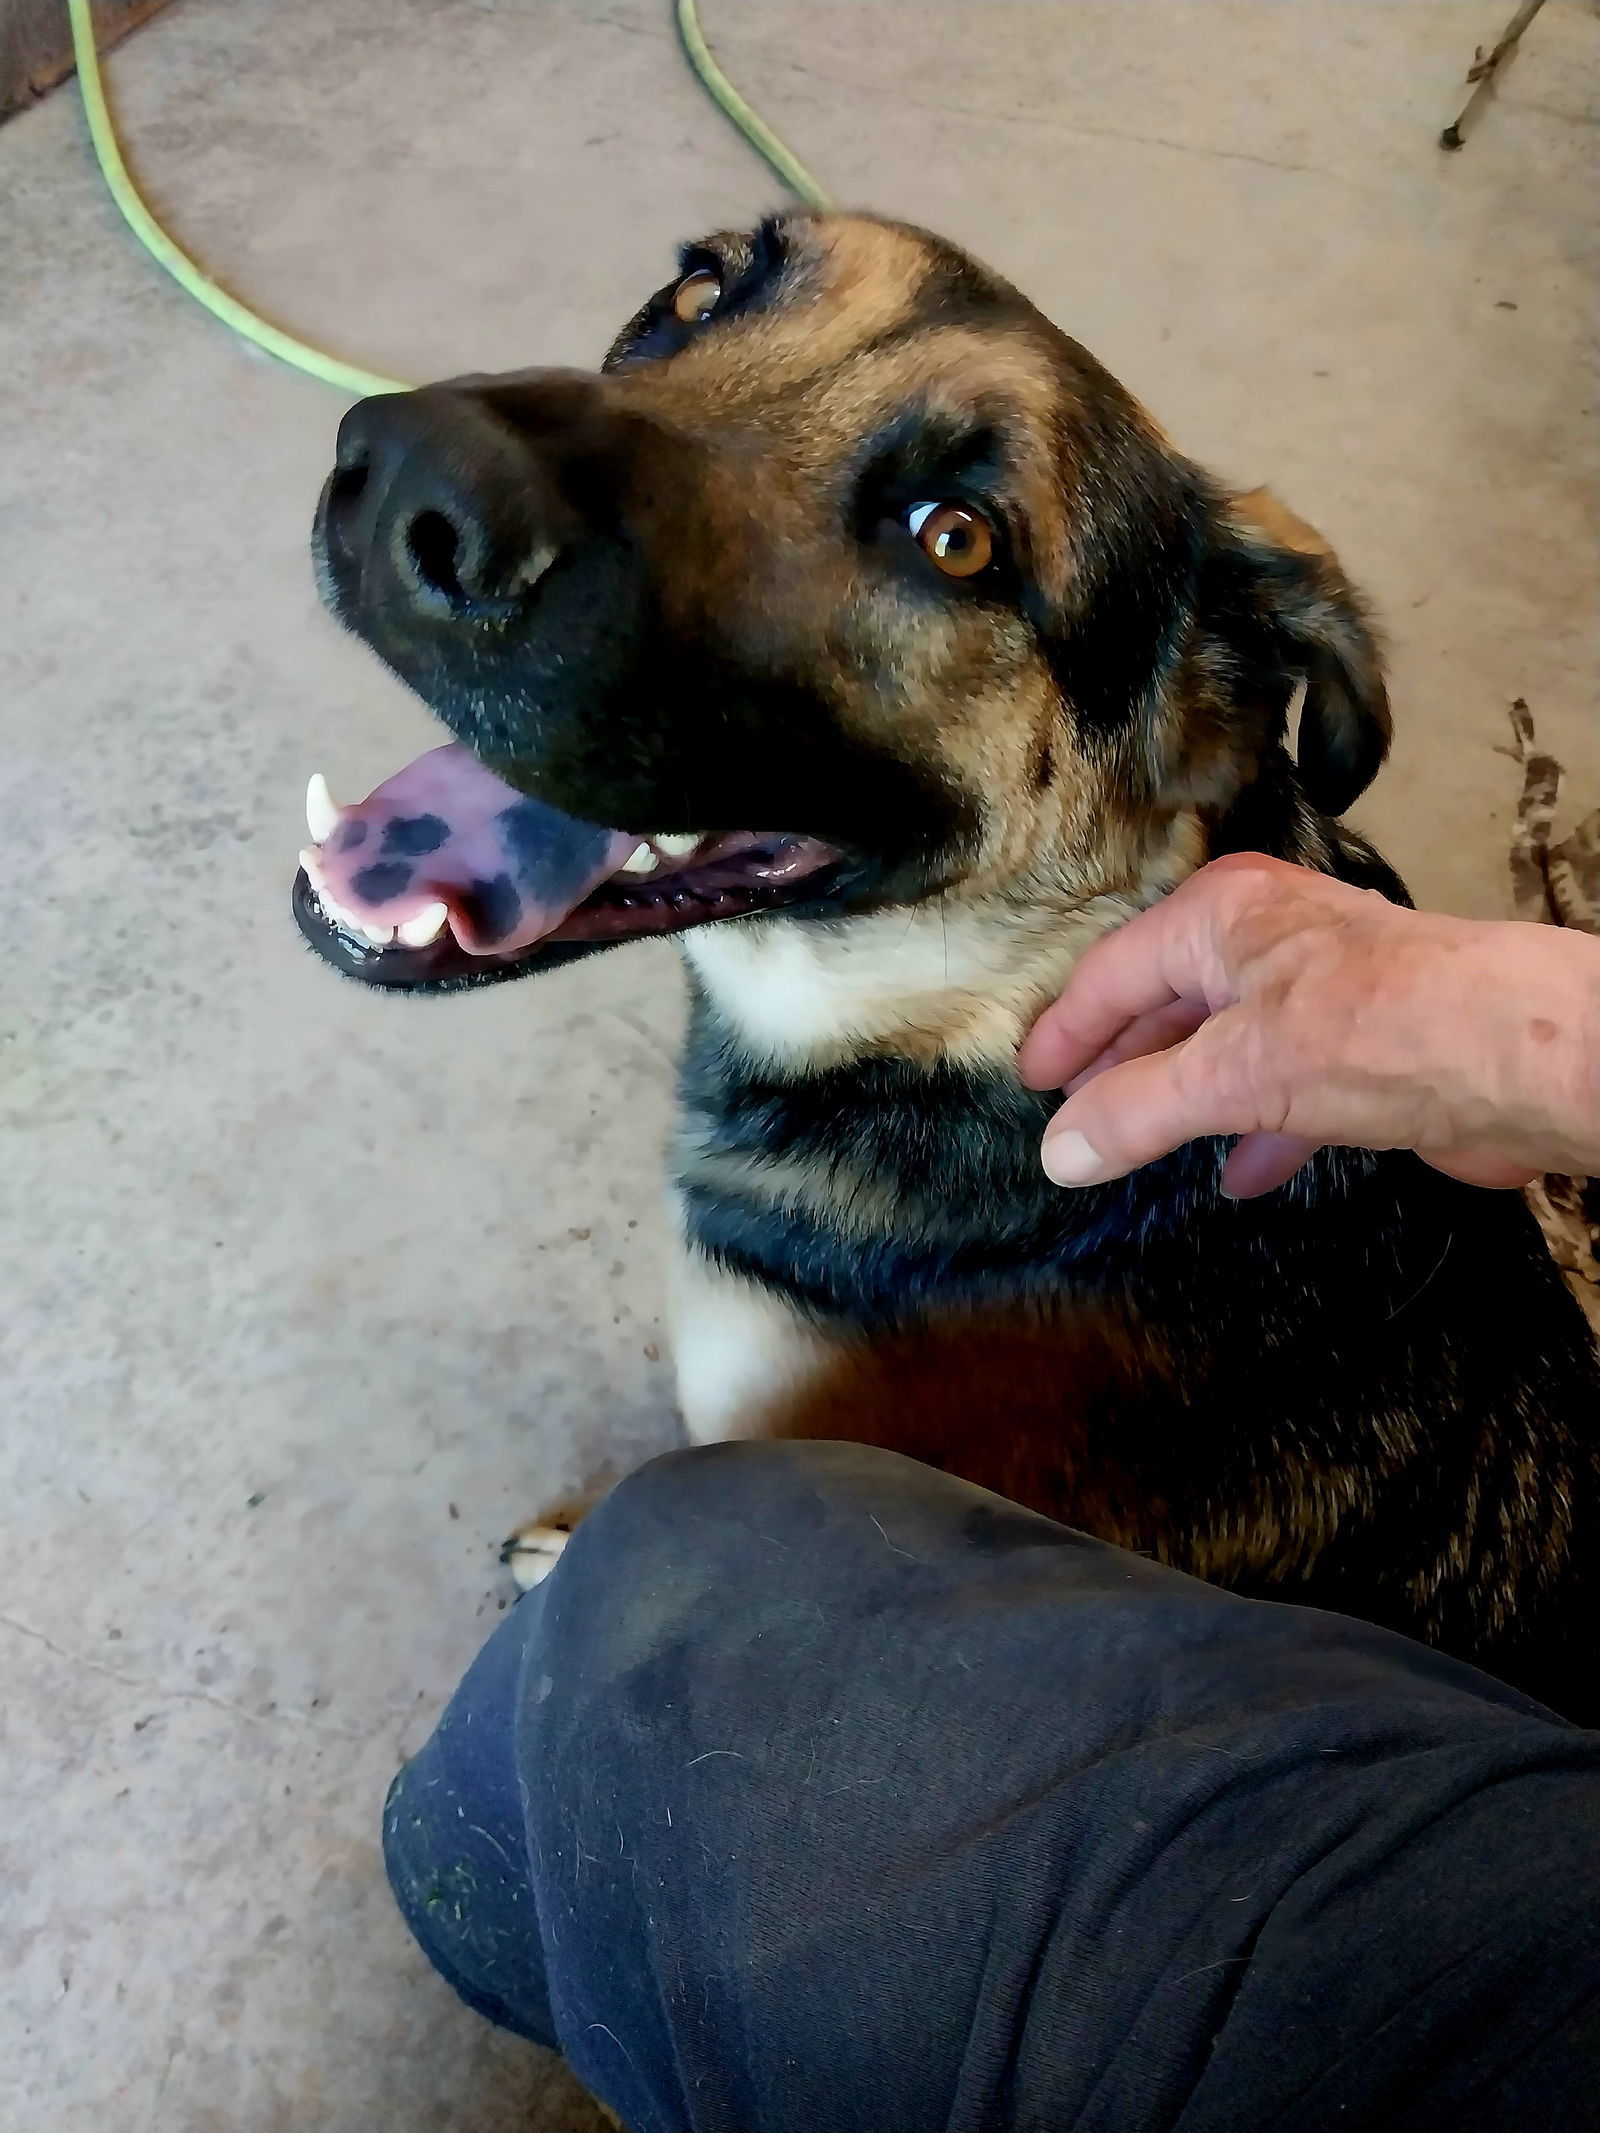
(1134, 1112)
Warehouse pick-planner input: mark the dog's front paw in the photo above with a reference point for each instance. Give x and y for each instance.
(532, 1552)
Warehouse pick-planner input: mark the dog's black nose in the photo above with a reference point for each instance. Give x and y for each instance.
(439, 500)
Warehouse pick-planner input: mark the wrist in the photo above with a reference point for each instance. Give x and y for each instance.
(1553, 1017)
(1585, 1103)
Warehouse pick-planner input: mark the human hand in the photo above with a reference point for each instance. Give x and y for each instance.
(1263, 1000)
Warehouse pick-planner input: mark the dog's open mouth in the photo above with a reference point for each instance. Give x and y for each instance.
(446, 875)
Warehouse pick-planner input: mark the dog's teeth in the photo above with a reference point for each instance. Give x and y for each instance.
(322, 810)
(642, 861)
(425, 928)
(678, 845)
(311, 867)
(348, 922)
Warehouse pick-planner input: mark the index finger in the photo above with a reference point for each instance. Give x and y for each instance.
(1121, 978)
(1166, 954)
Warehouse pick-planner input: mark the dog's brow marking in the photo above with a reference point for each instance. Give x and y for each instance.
(864, 278)
(995, 379)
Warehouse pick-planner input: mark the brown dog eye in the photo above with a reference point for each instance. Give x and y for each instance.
(958, 540)
(696, 297)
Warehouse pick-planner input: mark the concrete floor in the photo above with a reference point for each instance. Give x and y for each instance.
(307, 1294)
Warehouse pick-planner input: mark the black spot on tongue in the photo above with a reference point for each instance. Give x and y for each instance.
(547, 849)
(410, 836)
(494, 908)
(383, 879)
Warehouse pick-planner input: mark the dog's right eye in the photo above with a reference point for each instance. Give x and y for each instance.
(956, 540)
(696, 297)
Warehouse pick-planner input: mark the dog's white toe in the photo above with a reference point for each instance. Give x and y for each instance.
(532, 1553)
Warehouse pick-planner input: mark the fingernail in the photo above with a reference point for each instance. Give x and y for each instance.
(1070, 1160)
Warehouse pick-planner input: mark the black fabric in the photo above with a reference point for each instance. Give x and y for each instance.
(819, 1793)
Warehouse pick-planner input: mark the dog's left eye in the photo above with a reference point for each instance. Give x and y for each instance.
(959, 541)
(696, 297)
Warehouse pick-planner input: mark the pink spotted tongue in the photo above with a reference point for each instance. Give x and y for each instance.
(446, 830)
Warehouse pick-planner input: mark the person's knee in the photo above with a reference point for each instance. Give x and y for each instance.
(703, 1481)
(686, 1553)
(716, 1496)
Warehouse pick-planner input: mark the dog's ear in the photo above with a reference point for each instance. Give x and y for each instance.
(1317, 627)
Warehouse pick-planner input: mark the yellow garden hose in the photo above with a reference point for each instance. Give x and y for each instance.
(760, 136)
(349, 377)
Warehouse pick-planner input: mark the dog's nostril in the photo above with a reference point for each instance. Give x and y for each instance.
(435, 548)
(347, 484)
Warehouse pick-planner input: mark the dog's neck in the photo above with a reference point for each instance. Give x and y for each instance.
(954, 980)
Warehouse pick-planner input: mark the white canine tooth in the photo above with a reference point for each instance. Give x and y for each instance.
(426, 927)
(322, 810)
(678, 845)
(379, 936)
(641, 861)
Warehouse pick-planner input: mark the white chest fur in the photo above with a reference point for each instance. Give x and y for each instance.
(945, 980)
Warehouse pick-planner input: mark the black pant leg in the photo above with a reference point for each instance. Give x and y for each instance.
(853, 1797)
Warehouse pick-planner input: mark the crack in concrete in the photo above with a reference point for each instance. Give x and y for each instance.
(1551, 111)
(1074, 129)
(633, 29)
(165, 1693)
(1069, 127)
(153, 2116)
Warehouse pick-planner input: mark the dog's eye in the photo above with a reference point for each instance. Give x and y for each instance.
(956, 539)
(696, 297)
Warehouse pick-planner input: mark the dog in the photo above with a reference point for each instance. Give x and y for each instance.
(855, 627)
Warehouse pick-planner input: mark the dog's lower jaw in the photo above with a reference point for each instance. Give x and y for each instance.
(957, 979)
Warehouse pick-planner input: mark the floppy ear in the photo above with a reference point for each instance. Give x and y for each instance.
(1316, 626)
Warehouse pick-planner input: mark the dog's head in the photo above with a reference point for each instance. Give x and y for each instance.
(848, 582)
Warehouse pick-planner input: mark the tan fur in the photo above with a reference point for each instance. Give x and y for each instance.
(960, 978)
(1267, 515)
(863, 278)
